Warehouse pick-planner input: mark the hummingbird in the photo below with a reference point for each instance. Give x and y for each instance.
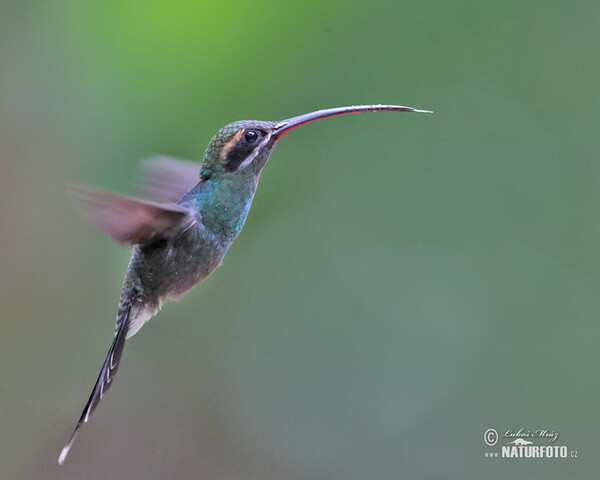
(182, 233)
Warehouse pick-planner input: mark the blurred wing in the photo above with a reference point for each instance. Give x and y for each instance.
(130, 220)
(166, 179)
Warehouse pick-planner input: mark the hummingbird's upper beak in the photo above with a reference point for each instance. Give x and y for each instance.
(285, 126)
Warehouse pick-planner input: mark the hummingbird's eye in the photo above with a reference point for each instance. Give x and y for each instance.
(251, 136)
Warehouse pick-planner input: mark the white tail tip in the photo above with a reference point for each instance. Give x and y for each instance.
(64, 453)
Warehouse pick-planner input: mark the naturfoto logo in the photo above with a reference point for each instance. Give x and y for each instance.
(523, 443)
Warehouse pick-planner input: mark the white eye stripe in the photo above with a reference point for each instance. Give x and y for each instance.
(250, 158)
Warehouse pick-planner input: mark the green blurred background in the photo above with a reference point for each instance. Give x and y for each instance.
(403, 281)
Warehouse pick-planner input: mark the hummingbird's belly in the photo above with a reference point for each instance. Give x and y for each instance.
(169, 269)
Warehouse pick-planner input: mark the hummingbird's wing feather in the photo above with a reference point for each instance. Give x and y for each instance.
(166, 179)
(130, 220)
(107, 373)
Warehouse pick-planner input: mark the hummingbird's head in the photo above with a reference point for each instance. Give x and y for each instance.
(242, 146)
(245, 146)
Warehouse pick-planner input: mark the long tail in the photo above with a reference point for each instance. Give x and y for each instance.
(107, 372)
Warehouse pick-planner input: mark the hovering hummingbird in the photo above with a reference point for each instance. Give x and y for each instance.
(182, 235)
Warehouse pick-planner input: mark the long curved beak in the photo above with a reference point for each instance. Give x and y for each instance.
(285, 126)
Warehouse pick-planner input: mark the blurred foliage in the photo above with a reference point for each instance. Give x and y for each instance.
(403, 281)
